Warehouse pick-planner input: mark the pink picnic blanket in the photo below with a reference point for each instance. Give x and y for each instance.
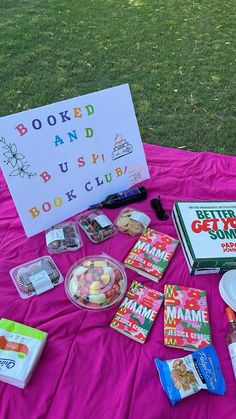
(87, 369)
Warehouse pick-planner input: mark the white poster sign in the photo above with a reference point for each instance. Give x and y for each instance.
(61, 158)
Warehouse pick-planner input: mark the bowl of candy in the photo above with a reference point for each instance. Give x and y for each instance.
(96, 282)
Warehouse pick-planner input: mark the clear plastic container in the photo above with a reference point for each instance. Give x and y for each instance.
(63, 237)
(97, 226)
(131, 221)
(36, 277)
(96, 282)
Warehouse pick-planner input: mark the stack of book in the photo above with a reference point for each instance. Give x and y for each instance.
(207, 233)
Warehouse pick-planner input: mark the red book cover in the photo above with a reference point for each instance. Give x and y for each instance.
(186, 320)
(152, 254)
(137, 312)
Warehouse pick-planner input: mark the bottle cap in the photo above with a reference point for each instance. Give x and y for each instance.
(230, 314)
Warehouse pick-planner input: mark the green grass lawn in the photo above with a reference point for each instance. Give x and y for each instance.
(178, 57)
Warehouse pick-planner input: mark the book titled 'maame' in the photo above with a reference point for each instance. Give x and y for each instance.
(137, 312)
(152, 254)
(186, 319)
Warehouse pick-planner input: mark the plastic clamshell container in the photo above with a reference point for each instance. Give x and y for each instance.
(96, 282)
(131, 221)
(63, 237)
(96, 225)
(36, 276)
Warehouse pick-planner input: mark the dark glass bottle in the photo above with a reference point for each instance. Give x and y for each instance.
(122, 198)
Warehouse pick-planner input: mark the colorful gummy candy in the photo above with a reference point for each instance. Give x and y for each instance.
(96, 282)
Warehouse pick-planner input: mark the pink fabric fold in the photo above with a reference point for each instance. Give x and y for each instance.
(87, 369)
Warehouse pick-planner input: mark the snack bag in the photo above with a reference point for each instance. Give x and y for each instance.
(182, 377)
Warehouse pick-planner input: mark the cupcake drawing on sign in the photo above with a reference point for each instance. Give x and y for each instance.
(122, 147)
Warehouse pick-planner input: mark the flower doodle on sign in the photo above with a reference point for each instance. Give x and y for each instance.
(122, 147)
(16, 160)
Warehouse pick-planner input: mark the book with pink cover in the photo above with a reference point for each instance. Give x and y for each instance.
(137, 312)
(186, 320)
(151, 254)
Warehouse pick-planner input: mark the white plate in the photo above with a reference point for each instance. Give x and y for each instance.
(227, 288)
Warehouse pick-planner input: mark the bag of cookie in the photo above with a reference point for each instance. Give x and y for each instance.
(132, 222)
(185, 376)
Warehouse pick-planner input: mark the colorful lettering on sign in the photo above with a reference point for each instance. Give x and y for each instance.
(46, 206)
(72, 136)
(53, 120)
(71, 195)
(64, 167)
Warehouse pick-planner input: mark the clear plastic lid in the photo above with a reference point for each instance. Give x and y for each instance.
(131, 221)
(36, 277)
(96, 282)
(63, 237)
(97, 226)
